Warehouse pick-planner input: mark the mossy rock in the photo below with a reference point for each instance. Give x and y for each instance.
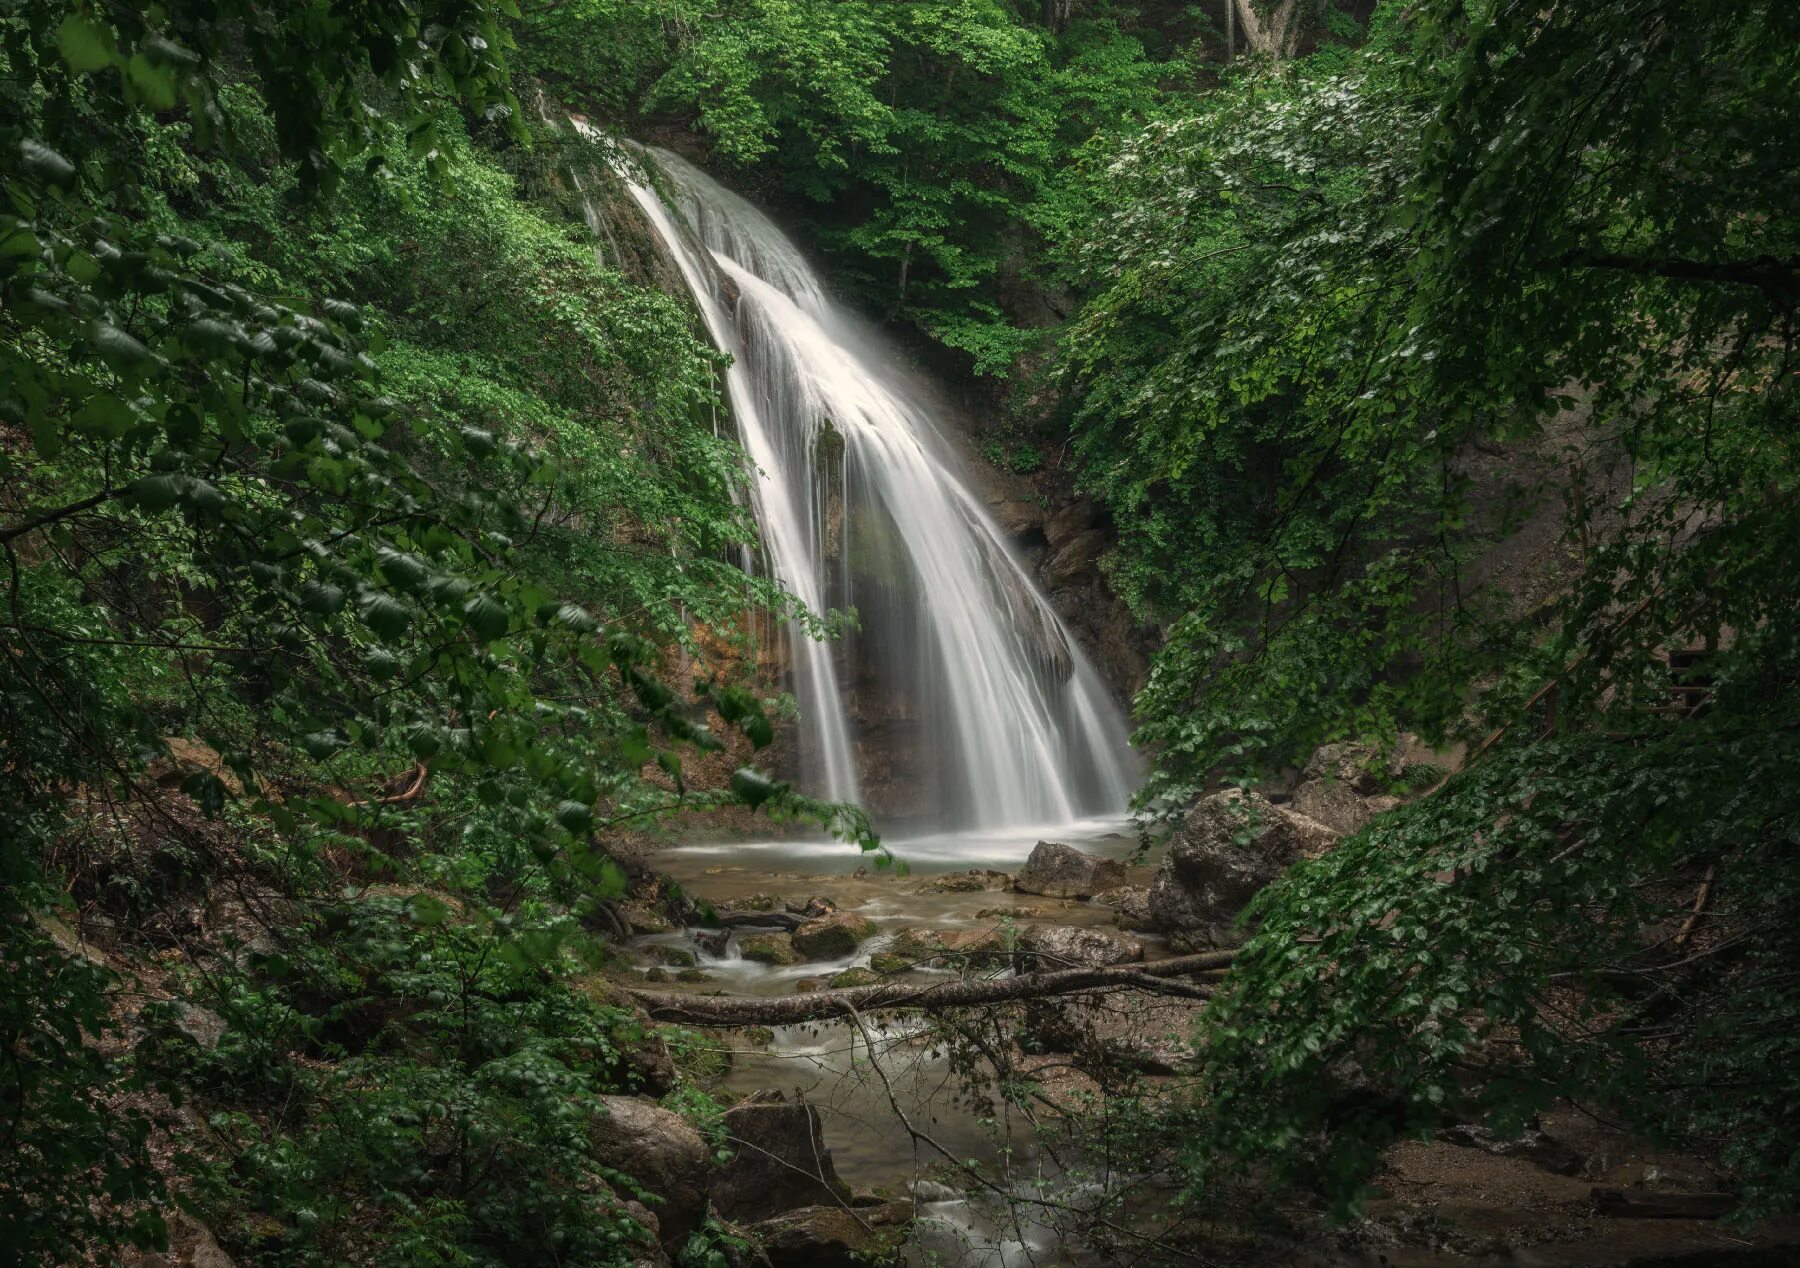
(768, 948)
(855, 977)
(674, 957)
(693, 975)
(889, 963)
(833, 937)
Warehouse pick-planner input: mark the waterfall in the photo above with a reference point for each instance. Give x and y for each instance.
(861, 506)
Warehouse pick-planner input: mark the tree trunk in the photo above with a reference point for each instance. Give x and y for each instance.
(1272, 33)
(742, 1010)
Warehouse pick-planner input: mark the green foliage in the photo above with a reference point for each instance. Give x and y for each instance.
(927, 139)
(416, 1090)
(329, 449)
(1345, 314)
(1478, 955)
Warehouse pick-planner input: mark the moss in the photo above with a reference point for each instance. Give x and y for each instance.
(768, 948)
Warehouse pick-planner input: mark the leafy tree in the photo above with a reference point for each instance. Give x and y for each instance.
(1339, 310)
(333, 545)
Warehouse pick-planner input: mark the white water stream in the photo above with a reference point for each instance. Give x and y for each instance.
(862, 506)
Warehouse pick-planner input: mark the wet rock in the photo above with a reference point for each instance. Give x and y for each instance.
(889, 963)
(752, 902)
(834, 936)
(693, 975)
(1069, 522)
(1020, 912)
(1069, 562)
(972, 948)
(1228, 848)
(832, 1237)
(973, 881)
(940, 948)
(1062, 871)
(1046, 948)
(932, 1191)
(714, 942)
(812, 908)
(779, 1160)
(1017, 516)
(674, 957)
(1132, 902)
(656, 975)
(663, 1153)
(761, 920)
(640, 919)
(854, 977)
(768, 948)
(807, 985)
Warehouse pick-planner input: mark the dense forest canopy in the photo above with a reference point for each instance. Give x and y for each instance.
(371, 558)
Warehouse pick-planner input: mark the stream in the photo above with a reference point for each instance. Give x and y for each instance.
(828, 1063)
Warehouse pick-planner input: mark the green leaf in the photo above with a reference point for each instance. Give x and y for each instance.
(155, 83)
(753, 787)
(384, 614)
(321, 598)
(156, 492)
(85, 45)
(575, 817)
(486, 615)
(402, 571)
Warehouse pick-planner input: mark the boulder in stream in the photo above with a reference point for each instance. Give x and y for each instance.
(778, 1161)
(1046, 948)
(1132, 902)
(976, 880)
(661, 1151)
(832, 937)
(835, 1237)
(1062, 871)
(768, 948)
(1229, 847)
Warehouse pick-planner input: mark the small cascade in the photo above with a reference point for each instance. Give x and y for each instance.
(862, 506)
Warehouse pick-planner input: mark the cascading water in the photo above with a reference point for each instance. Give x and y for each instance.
(861, 506)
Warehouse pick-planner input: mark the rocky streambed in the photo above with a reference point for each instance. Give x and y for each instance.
(885, 1136)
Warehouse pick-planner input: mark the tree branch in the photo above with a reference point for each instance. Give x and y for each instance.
(744, 1010)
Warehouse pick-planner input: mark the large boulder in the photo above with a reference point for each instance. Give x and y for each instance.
(779, 1160)
(1062, 871)
(768, 948)
(1046, 948)
(1132, 903)
(1229, 847)
(1343, 786)
(1070, 521)
(663, 1153)
(833, 937)
(835, 1237)
(1074, 559)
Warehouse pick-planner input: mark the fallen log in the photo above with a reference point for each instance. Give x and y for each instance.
(1627, 1204)
(747, 1010)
